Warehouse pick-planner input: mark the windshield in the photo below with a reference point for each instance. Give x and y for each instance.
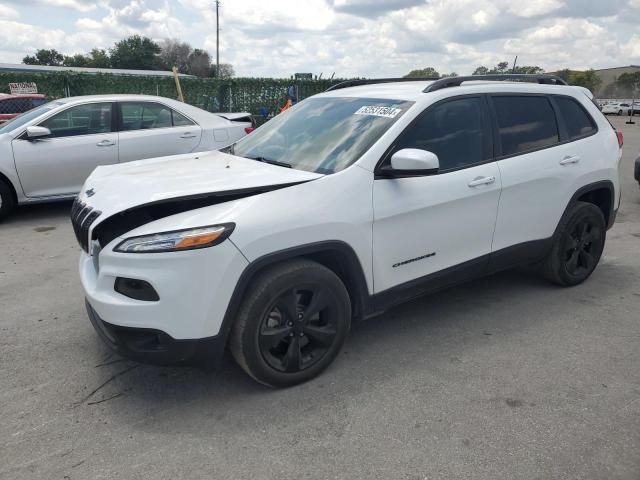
(26, 117)
(323, 135)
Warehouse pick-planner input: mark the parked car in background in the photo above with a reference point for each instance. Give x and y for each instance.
(13, 105)
(347, 203)
(48, 152)
(616, 109)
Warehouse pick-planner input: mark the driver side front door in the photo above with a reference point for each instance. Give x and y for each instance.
(438, 227)
(81, 139)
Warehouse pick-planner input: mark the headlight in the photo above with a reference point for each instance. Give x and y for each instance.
(176, 241)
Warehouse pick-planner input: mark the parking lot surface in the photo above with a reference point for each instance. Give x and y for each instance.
(506, 377)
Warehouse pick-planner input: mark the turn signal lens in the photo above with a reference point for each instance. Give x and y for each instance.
(178, 240)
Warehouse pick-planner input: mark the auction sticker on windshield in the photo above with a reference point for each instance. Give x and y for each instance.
(388, 112)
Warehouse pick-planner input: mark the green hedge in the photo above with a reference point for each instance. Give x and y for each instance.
(236, 94)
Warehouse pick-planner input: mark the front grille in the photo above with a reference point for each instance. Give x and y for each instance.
(82, 216)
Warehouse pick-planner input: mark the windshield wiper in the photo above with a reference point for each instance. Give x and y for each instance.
(271, 162)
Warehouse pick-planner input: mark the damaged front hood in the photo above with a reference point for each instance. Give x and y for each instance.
(117, 188)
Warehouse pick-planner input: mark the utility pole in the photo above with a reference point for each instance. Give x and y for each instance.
(513, 70)
(217, 39)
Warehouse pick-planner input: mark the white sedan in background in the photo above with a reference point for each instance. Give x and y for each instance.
(48, 152)
(616, 108)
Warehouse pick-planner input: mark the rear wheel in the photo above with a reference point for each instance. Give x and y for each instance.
(292, 323)
(577, 245)
(7, 199)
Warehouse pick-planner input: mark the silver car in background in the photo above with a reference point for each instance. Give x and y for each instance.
(48, 152)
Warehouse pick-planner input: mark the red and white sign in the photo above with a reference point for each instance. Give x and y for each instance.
(23, 87)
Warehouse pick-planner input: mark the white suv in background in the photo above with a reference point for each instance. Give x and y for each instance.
(353, 200)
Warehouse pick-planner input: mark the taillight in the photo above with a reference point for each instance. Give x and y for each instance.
(248, 130)
(620, 138)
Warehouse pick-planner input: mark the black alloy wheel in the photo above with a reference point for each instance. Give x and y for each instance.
(582, 247)
(292, 323)
(299, 329)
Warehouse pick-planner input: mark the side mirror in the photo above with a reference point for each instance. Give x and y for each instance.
(413, 161)
(36, 132)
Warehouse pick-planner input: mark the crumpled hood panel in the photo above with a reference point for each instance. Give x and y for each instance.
(117, 188)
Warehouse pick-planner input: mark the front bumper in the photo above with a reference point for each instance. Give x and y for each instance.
(194, 288)
(156, 347)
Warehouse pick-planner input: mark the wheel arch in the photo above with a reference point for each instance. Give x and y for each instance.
(5, 179)
(337, 256)
(601, 194)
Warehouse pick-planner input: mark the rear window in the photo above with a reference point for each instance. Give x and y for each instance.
(525, 123)
(578, 122)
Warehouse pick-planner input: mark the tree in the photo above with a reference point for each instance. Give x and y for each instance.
(44, 57)
(628, 84)
(199, 63)
(98, 58)
(452, 74)
(175, 53)
(136, 52)
(564, 74)
(427, 72)
(503, 68)
(529, 69)
(226, 71)
(588, 79)
(77, 60)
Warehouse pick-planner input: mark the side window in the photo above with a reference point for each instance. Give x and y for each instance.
(578, 122)
(145, 115)
(87, 119)
(525, 123)
(452, 130)
(180, 120)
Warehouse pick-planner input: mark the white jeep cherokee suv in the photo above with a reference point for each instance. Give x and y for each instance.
(352, 201)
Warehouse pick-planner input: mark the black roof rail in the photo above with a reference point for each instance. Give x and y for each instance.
(517, 77)
(373, 81)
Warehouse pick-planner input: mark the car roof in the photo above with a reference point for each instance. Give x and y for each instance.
(113, 98)
(413, 91)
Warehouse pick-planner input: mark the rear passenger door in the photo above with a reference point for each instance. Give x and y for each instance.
(539, 164)
(151, 129)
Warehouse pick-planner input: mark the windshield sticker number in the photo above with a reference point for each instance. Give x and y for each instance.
(388, 112)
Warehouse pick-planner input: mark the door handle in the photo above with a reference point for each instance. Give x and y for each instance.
(188, 135)
(481, 181)
(569, 159)
(105, 143)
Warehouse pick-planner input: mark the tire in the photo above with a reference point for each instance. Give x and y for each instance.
(619, 113)
(577, 245)
(292, 323)
(7, 200)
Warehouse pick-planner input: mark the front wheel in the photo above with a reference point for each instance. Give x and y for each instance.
(619, 113)
(577, 245)
(292, 323)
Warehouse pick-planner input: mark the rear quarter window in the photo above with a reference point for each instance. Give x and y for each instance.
(578, 122)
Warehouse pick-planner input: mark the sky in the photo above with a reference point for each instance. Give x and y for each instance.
(369, 38)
